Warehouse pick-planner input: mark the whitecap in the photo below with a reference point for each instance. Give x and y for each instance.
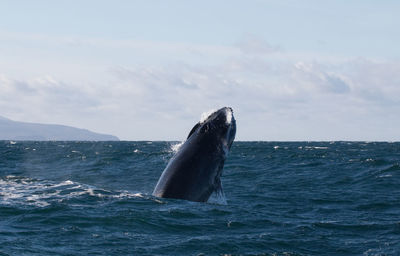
(39, 193)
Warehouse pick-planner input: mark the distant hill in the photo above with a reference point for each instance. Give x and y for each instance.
(13, 130)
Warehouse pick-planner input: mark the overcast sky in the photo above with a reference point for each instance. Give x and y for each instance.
(146, 70)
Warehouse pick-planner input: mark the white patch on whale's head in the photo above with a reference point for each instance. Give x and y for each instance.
(228, 115)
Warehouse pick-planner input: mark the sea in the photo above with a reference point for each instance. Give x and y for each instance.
(281, 198)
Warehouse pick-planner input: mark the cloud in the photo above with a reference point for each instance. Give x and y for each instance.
(327, 81)
(43, 97)
(276, 95)
(336, 84)
(253, 45)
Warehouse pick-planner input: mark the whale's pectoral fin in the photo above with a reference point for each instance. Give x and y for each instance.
(193, 130)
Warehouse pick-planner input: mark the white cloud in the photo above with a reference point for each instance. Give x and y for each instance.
(253, 45)
(311, 96)
(275, 95)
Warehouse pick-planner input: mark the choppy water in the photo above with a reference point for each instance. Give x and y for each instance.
(283, 198)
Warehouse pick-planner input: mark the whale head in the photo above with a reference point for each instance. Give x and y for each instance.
(219, 124)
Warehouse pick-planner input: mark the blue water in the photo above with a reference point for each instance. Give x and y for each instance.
(282, 198)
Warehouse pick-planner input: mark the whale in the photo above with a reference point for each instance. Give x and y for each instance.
(194, 171)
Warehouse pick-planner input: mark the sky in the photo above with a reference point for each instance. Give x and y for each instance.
(146, 70)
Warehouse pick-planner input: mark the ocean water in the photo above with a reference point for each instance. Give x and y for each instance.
(282, 198)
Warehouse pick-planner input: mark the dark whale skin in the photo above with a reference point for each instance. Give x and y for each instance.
(194, 172)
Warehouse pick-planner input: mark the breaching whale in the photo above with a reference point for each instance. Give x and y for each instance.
(194, 172)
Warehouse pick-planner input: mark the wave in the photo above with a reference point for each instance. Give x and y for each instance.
(23, 191)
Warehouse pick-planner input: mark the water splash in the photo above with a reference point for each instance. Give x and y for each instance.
(217, 198)
(175, 147)
(206, 114)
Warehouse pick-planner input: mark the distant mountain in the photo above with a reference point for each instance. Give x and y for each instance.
(13, 130)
